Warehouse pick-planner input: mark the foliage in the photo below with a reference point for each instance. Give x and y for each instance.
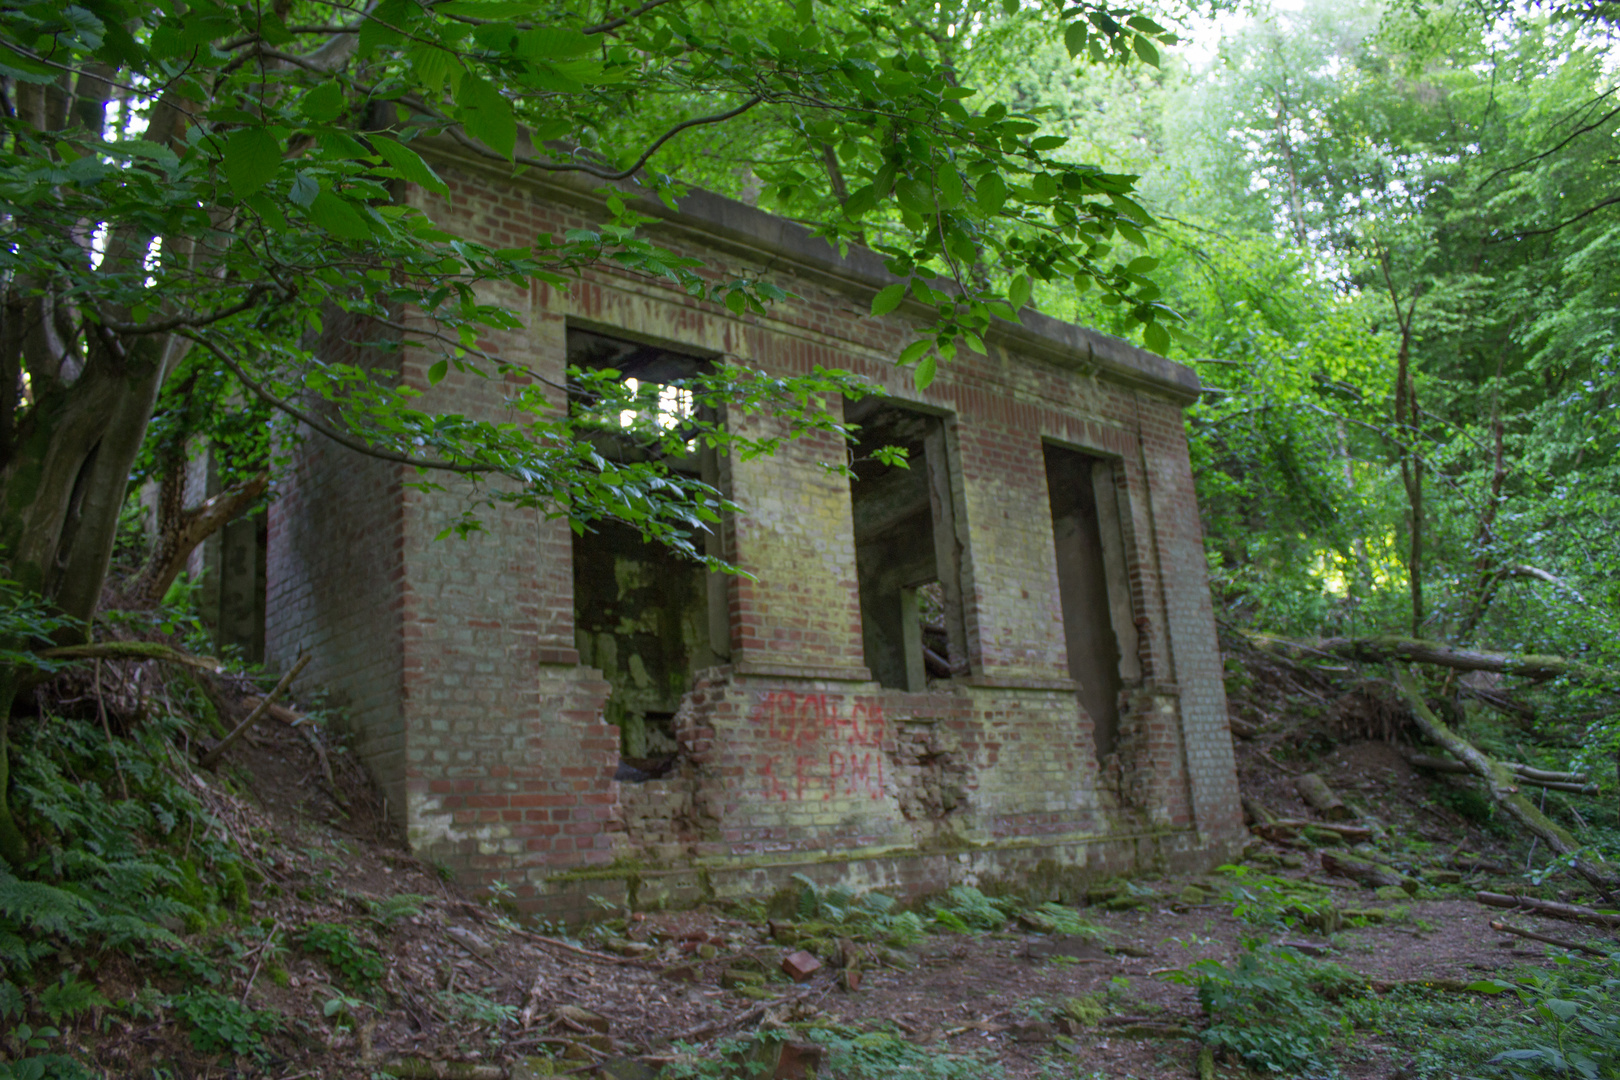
(1271, 902)
(211, 205)
(220, 1025)
(103, 876)
(871, 916)
(476, 1009)
(1268, 1006)
(878, 1055)
(390, 909)
(965, 909)
(359, 965)
(1571, 1026)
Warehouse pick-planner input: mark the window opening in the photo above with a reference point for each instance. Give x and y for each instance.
(645, 616)
(1093, 586)
(907, 557)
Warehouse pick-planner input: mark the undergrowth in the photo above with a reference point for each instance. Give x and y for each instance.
(126, 858)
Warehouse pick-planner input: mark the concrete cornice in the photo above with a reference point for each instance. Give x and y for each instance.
(733, 228)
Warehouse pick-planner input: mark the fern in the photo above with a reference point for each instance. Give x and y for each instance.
(12, 1004)
(45, 908)
(69, 998)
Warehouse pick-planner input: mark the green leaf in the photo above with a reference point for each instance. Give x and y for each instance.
(888, 298)
(553, 43)
(493, 9)
(1156, 337)
(252, 158)
(1144, 49)
(409, 164)
(991, 193)
(1144, 24)
(1048, 142)
(337, 217)
(1142, 264)
(304, 190)
(1018, 294)
(737, 302)
(915, 196)
(1489, 986)
(949, 185)
(1074, 39)
(926, 370)
(437, 372)
(913, 351)
(324, 103)
(486, 114)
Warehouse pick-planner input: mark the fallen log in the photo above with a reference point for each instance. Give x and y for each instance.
(1256, 812)
(1371, 874)
(1349, 832)
(1382, 649)
(1546, 939)
(1572, 912)
(1526, 772)
(1323, 799)
(1500, 784)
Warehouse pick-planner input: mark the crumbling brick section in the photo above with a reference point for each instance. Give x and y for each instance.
(457, 659)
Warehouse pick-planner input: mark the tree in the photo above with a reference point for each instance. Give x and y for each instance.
(204, 184)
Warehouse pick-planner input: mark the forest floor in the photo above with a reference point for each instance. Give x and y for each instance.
(466, 989)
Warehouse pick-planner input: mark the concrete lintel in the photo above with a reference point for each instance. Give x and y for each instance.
(736, 228)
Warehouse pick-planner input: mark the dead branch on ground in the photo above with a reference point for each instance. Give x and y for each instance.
(1546, 939)
(1572, 912)
(1502, 787)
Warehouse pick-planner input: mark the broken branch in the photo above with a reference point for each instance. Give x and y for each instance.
(1546, 939)
(131, 650)
(1416, 650)
(211, 757)
(1501, 786)
(1572, 912)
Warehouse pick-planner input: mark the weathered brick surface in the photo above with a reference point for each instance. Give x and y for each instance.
(456, 658)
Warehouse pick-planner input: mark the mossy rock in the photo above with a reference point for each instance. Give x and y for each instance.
(736, 979)
(1321, 837)
(758, 993)
(1126, 902)
(1395, 892)
(1104, 891)
(1442, 877)
(1192, 894)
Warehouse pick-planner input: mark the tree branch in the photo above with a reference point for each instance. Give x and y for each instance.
(357, 445)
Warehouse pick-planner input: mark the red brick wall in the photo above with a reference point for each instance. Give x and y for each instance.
(790, 751)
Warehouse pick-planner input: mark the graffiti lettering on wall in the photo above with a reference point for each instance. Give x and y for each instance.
(821, 742)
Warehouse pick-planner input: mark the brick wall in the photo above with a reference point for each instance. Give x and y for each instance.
(457, 657)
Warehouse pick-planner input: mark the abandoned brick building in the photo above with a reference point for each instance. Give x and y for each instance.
(998, 663)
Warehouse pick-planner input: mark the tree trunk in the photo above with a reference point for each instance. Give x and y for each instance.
(181, 530)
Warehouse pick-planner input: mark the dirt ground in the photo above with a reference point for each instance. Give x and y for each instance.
(1004, 994)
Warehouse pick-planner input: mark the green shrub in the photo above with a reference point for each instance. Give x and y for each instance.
(1269, 1006)
(359, 966)
(220, 1025)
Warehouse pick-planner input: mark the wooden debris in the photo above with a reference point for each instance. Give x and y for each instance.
(1573, 912)
(1355, 833)
(1575, 783)
(1371, 874)
(1548, 939)
(210, 758)
(1256, 813)
(1382, 649)
(1323, 799)
(1500, 784)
